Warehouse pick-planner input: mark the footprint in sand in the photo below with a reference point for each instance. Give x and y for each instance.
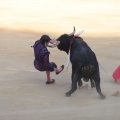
(116, 94)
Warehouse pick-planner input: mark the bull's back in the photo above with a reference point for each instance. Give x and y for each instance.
(82, 54)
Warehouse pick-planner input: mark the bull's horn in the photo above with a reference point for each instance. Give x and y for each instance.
(54, 45)
(72, 32)
(78, 34)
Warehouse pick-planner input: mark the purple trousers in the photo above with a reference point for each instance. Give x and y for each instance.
(44, 67)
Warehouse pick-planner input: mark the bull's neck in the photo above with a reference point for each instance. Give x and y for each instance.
(68, 47)
(71, 43)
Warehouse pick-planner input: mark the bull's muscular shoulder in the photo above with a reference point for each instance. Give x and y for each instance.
(77, 43)
(78, 40)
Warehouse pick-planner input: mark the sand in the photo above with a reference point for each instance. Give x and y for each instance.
(25, 96)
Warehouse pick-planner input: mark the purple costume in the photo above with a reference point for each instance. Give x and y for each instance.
(41, 61)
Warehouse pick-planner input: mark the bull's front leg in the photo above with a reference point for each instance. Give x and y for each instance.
(73, 85)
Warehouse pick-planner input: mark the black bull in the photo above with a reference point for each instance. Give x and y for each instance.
(83, 59)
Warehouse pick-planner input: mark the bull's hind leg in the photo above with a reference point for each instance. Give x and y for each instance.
(80, 83)
(73, 86)
(92, 83)
(97, 84)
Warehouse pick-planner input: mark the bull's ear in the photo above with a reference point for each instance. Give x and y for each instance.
(71, 34)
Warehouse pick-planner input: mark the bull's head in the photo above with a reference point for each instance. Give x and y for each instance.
(63, 42)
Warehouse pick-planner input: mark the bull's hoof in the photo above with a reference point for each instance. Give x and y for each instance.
(68, 94)
(102, 97)
(92, 86)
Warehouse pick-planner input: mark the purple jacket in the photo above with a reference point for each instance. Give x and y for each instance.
(41, 61)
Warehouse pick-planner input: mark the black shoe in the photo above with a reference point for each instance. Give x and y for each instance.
(50, 82)
(61, 70)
